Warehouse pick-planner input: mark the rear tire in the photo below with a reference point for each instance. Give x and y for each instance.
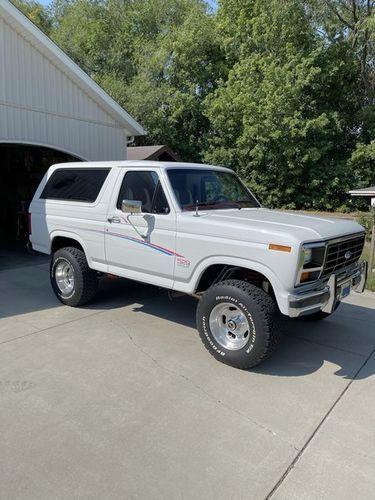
(238, 323)
(73, 282)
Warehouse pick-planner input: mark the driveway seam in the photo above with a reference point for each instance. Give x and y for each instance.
(347, 351)
(50, 327)
(316, 430)
(210, 397)
(16, 268)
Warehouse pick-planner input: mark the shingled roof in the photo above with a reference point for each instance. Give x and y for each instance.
(160, 152)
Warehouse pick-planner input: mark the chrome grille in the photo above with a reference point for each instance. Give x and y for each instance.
(343, 253)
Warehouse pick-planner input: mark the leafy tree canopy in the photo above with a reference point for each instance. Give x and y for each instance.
(159, 59)
(282, 91)
(36, 13)
(284, 116)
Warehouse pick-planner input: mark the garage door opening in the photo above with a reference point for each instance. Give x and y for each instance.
(21, 169)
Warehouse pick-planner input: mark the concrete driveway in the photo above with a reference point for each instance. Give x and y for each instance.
(121, 400)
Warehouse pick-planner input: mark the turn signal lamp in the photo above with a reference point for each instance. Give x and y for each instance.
(304, 277)
(279, 248)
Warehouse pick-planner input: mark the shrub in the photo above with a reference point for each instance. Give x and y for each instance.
(366, 220)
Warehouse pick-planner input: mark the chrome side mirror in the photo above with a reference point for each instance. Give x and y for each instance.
(131, 206)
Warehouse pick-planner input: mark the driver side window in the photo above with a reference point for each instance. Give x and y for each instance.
(144, 187)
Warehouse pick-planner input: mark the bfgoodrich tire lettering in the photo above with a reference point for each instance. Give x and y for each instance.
(262, 317)
(85, 279)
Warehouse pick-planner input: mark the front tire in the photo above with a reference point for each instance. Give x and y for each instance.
(73, 282)
(238, 323)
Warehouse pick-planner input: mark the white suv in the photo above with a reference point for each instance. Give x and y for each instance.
(195, 229)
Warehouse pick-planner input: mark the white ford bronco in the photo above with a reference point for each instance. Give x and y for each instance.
(195, 229)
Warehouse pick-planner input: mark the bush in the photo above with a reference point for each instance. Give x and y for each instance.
(366, 220)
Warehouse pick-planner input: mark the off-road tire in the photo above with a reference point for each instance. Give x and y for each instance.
(85, 279)
(261, 312)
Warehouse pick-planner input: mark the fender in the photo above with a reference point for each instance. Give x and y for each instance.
(68, 234)
(191, 286)
(98, 265)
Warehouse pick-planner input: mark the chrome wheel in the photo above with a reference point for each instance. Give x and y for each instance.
(229, 326)
(64, 276)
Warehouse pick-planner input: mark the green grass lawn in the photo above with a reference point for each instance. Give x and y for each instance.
(371, 276)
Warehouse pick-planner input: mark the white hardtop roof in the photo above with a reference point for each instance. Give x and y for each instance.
(140, 163)
(34, 35)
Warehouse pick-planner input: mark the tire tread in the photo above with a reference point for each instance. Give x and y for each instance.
(86, 280)
(270, 315)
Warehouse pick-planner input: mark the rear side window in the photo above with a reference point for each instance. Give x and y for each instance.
(77, 184)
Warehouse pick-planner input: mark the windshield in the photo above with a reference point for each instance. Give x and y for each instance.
(209, 189)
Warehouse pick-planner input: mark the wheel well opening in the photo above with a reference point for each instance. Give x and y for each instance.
(220, 272)
(62, 241)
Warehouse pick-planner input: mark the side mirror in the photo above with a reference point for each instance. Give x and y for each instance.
(131, 206)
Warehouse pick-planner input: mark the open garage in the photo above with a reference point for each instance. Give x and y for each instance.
(22, 167)
(50, 112)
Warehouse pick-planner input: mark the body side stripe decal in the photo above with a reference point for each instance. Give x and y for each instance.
(158, 248)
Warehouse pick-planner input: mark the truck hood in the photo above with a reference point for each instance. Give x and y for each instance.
(298, 226)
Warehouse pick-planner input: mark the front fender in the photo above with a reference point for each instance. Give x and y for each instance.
(280, 293)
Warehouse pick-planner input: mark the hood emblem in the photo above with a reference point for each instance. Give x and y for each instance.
(348, 254)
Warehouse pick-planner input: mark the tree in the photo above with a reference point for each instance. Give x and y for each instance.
(362, 163)
(36, 13)
(283, 118)
(280, 90)
(350, 21)
(158, 58)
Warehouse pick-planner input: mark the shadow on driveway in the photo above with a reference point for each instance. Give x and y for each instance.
(25, 294)
(350, 330)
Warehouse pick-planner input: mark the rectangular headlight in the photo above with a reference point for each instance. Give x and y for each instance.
(311, 262)
(307, 255)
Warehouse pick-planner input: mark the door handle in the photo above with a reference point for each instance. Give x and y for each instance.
(114, 220)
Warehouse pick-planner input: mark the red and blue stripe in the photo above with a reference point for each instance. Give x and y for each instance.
(158, 248)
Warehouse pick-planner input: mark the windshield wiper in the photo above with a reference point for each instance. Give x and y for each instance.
(212, 204)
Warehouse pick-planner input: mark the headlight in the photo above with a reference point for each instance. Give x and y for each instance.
(311, 262)
(307, 255)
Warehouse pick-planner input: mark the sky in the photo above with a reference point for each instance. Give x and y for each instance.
(212, 3)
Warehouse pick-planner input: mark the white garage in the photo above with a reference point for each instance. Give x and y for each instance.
(50, 111)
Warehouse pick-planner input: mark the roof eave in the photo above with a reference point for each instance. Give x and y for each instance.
(131, 126)
(359, 192)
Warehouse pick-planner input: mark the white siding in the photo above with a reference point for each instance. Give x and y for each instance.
(40, 104)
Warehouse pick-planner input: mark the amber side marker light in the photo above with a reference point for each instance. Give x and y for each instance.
(280, 248)
(305, 277)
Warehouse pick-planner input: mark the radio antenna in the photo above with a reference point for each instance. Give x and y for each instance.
(196, 208)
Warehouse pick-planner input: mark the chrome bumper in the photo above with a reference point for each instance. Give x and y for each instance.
(326, 298)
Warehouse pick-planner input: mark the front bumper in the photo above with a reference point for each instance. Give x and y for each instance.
(325, 298)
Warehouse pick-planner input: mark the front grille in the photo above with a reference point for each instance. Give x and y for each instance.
(335, 259)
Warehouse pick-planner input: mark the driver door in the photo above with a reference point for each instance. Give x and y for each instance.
(141, 246)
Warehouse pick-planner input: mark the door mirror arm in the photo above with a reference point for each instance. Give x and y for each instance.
(133, 207)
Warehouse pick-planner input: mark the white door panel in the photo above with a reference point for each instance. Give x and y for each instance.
(141, 246)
